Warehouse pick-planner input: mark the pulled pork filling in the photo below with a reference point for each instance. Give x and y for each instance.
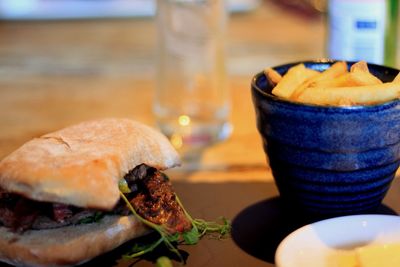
(151, 195)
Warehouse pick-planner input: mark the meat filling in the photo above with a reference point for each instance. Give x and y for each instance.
(20, 214)
(152, 197)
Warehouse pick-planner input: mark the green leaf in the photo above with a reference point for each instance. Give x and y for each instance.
(215, 229)
(96, 217)
(139, 247)
(173, 238)
(139, 250)
(85, 220)
(164, 262)
(191, 237)
(123, 186)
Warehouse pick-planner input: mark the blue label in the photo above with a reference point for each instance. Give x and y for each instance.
(366, 25)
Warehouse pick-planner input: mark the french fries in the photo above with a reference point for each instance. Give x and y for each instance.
(349, 79)
(360, 66)
(273, 76)
(347, 96)
(336, 86)
(334, 71)
(294, 77)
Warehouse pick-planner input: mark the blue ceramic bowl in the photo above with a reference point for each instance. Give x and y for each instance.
(329, 160)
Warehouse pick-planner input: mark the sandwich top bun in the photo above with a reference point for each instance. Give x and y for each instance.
(81, 165)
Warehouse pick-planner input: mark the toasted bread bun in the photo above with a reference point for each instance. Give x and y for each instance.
(82, 164)
(69, 245)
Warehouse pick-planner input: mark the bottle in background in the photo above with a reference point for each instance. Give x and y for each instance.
(363, 30)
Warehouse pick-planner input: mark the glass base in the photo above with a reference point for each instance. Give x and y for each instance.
(195, 135)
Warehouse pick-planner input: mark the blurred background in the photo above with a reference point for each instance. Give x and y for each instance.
(286, 29)
(55, 9)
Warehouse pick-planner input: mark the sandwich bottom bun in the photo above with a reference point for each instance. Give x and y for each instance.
(68, 246)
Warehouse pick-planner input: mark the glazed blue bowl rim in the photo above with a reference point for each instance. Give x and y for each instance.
(275, 98)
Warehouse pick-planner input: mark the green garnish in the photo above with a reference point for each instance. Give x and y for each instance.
(204, 227)
(123, 186)
(165, 237)
(96, 217)
(215, 229)
(199, 229)
(163, 262)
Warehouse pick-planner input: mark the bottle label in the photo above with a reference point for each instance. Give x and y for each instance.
(357, 30)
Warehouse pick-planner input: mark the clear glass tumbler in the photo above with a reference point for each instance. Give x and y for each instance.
(192, 101)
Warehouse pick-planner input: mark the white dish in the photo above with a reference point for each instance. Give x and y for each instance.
(328, 242)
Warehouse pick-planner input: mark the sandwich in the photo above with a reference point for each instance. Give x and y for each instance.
(60, 194)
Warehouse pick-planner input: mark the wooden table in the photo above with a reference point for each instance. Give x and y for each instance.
(53, 74)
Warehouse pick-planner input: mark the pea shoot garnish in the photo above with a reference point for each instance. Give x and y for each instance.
(199, 229)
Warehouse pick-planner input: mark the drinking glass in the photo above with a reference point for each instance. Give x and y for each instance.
(191, 102)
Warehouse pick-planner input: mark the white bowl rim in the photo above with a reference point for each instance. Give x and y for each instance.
(350, 222)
